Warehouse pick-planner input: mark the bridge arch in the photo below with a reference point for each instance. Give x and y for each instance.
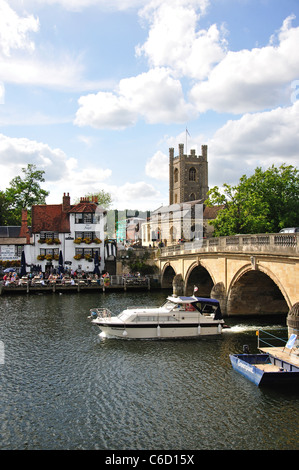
(198, 275)
(254, 292)
(168, 274)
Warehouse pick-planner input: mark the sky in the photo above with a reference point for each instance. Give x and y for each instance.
(95, 92)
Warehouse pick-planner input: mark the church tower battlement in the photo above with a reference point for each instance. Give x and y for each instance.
(188, 175)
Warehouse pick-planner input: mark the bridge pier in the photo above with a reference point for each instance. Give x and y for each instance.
(293, 320)
(178, 285)
(219, 293)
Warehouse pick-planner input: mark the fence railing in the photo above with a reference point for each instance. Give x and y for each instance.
(282, 243)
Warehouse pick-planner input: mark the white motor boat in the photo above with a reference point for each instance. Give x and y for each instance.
(178, 317)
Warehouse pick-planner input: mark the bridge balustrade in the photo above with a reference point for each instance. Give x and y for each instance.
(269, 243)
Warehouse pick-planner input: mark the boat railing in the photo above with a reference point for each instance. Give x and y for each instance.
(269, 340)
(140, 307)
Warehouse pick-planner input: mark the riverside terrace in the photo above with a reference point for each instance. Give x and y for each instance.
(91, 283)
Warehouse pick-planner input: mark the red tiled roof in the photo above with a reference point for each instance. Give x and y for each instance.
(49, 218)
(89, 207)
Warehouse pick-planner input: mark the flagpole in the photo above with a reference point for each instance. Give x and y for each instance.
(186, 143)
(187, 133)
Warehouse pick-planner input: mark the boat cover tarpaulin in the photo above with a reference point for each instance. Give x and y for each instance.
(207, 301)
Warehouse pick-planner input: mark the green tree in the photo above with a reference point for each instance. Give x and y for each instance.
(264, 202)
(25, 192)
(104, 198)
(4, 212)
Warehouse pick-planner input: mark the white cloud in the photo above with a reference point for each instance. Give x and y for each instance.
(154, 96)
(2, 93)
(79, 5)
(139, 195)
(61, 173)
(158, 166)
(252, 80)
(21, 151)
(22, 61)
(259, 139)
(14, 30)
(173, 40)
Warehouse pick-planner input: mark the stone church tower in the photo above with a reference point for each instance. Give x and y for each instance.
(188, 175)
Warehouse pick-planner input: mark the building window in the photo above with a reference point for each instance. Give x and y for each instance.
(85, 218)
(49, 252)
(192, 174)
(48, 235)
(18, 250)
(87, 251)
(176, 175)
(86, 235)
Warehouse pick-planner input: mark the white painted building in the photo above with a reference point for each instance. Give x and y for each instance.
(75, 232)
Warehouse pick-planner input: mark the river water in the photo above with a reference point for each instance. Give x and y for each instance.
(63, 387)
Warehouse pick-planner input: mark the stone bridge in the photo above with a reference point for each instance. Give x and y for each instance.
(248, 274)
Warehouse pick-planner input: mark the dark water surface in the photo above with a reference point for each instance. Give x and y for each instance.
(62, 387)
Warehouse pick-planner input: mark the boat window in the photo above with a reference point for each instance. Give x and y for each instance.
(205, 308)
(169, 305)
(190, 308)
(144, 318)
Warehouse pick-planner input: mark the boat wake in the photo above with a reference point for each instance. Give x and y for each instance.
(243, 328)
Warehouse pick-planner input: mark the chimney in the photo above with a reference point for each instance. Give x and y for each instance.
(66, 202)
(24, 232)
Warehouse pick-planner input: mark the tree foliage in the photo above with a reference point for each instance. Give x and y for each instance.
(104, 198)
(265, 202)
(23, 193)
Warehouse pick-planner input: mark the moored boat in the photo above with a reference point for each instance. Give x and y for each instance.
(272, 366)
(178, 317)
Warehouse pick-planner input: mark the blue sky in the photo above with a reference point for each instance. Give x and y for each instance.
(94, 92)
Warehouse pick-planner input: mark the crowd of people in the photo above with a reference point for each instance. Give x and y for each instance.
(39, 278)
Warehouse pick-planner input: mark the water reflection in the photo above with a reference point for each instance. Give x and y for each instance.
(62, 387)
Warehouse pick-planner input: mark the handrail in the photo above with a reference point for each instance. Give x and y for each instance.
(265, 341)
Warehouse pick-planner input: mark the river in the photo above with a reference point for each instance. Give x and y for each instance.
(63, 387)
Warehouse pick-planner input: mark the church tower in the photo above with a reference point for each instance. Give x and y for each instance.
(188, 175)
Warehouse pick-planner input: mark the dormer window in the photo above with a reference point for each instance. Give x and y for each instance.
(84, 218)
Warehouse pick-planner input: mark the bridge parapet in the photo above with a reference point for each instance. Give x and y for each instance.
(285, 244)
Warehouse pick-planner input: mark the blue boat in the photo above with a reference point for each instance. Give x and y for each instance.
(273, 366)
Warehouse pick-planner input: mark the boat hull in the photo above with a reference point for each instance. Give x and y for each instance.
(160, 331)
(259, 369)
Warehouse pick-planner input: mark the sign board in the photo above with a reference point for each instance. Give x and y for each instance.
(8, 253)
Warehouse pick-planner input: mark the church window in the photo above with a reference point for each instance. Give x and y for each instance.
(192, 174)
(176, 175)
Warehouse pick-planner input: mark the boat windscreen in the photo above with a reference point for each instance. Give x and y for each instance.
(168, 305)
(209, 308)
